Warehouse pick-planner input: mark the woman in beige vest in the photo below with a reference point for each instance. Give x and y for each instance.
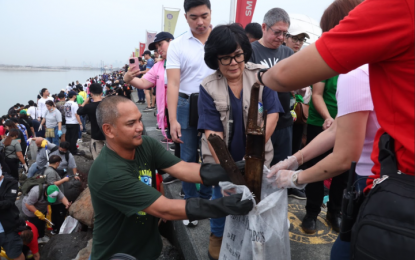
(224, 100)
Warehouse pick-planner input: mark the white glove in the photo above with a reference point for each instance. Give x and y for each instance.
(26, 168)
(288, 164)
(40, 128)
(29, 140)
(285, 180)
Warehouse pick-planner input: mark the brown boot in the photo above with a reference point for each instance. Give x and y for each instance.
(214, 247)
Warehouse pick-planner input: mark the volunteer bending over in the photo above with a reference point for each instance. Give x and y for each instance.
(122, 182)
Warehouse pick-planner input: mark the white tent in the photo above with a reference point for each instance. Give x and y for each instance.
(310, 25)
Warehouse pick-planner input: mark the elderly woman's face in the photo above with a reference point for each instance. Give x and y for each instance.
(232, 65)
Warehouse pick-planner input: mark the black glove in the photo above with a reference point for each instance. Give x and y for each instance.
(241, 166)
(197, 208)
(212, 174)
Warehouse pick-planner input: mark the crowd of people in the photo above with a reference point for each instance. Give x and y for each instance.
(327, 105)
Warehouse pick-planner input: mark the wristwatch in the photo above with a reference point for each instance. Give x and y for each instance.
(294, 178)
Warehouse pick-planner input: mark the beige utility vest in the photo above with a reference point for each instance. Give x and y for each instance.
(216, 86)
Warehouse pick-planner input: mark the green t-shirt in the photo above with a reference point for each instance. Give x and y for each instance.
(79, 99)
(120, 190)
(329, 97)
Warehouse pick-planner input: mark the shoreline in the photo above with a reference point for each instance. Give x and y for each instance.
(43, 69)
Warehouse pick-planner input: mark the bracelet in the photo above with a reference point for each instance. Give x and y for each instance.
(259, 75)
(302, 157)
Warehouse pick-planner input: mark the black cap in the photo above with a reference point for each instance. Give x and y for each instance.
(72, 93)
(160, 37)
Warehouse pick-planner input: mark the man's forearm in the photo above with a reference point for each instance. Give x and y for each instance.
(321, 106)
(172, 100)
(272, 120)
(189, 172)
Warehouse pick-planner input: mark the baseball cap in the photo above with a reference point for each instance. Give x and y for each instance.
(297, 28)
(147, 52)
(23, 112)
(161, 36)
(52, 193)
(72, 93)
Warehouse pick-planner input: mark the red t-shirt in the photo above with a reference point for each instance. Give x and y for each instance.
(2, 130)
(33, 245)
(381, 33)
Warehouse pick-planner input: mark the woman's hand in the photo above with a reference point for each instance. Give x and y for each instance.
(327, 123)
(285, 180)
(130, 75)
(290, 163)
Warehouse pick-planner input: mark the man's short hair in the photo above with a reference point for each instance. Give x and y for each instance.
(31, 103)
(61, 95)
(276, 15)
(254, 30)
(65, 145)
(26, 236)
(55, 159)
(95, 89)
(189, 4)
(223, 40)
(50, 103)
(107, 111)
(43, 91)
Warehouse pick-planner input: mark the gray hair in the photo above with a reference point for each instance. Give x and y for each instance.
(276, 15)
(107, 111)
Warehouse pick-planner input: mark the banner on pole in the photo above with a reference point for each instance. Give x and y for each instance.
(142, 49)
(170, 19)
(150, 37)
(245, 11)
(137, 52)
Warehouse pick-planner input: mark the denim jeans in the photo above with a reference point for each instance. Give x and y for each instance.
(282, 142)
(32, 170)
(217, 224)
(54, 140)
(141, 95)
(188, 149)
(341, 249)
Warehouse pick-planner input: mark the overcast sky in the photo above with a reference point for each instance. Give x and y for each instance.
(84, 32)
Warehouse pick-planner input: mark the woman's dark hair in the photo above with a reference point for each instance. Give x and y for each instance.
(10, 124)
(336, 12)
(23, 116)
(12, 133)
(26, 236)
(55, 159)
(50, 103)
(65, 145)
(189, 4)
(223, 40)
(43, 91)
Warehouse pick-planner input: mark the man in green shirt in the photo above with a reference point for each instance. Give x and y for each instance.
(122, 182)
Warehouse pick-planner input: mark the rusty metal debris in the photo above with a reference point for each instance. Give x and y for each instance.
(255, 146)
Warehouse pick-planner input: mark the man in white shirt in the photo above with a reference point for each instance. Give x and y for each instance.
(32, 111)
(41, 103)
(186, 70)
(68, 88)
(73, 122)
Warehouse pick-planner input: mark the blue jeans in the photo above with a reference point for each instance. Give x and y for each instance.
(341, 249)
(217, 224)
(32, 170)
(83, 121)
(282, 142)
(188, 149)
(54, 140)
(141, 95)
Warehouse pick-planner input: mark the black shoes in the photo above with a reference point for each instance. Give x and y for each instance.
(309, 224)
(296, 193)
(334, 219)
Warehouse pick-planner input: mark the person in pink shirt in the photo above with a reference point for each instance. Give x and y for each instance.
(157, 77)
(355, 107)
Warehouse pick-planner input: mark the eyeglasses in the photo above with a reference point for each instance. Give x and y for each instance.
(295, 39)
(278, 33)
(227, 60)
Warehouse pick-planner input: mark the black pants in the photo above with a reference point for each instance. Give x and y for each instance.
(315, 191)
(58, 216)
(13, 165)
(72, 132)
(39, 224)
(297, 137)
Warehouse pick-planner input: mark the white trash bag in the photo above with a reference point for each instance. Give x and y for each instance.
(263, 233)
(70, 225)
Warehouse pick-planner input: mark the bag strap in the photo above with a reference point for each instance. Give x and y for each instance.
(387, 157)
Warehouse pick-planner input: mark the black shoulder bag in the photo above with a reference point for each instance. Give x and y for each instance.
(385, 225)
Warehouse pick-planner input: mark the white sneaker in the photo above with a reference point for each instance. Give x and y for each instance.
(79, 140)
(43, 240)
(193, 223)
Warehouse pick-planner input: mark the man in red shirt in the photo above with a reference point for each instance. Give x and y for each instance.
(365, 36)
(29, 238)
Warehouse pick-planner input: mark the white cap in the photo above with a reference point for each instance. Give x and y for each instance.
(296, 28)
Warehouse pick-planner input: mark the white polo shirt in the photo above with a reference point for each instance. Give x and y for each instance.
(187, 54)
(41, 105)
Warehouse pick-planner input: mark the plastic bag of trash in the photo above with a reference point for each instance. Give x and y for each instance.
(263, 233)
(70, 225)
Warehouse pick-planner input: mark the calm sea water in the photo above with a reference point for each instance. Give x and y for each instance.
(21, 86)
